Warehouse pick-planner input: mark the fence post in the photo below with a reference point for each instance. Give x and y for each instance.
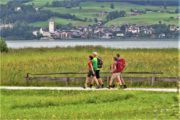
(153, 79)
(131, 81)
(27, 79)
(107, 80)
(178, 86)
(67, 81)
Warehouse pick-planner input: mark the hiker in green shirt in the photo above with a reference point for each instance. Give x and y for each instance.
(91, 74)
(96, 67)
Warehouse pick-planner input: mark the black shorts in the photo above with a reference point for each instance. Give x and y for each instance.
(97, 72)
(90, 73)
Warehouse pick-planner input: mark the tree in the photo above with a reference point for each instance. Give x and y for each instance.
(3, 45)
(102, 6)
(115, 14)
(176, 11)
(112, 6)
(95, 20)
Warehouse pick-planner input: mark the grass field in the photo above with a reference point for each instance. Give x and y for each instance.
(119, 105)
(4, 1)
(61, 21)
(16, 63)
(91, 10)
(146, 19)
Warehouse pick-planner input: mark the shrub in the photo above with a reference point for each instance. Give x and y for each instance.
(3, 45)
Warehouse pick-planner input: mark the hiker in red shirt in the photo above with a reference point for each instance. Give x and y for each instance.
(115, 74)
(123, 64)
(117, 69)
(91, 73)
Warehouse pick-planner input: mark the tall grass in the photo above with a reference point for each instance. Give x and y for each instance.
(16, 63)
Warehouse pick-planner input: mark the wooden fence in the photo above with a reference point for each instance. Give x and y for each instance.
(48, 76)
(152, 78)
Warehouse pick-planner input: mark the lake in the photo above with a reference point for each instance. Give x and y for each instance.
(104, 43)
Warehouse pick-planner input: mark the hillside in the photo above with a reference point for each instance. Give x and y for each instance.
(27, 16)
(92, 9)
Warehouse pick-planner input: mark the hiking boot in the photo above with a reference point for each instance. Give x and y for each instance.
(102, 86)
(97, 87)
(84, 86)
(113, 86)
(124, 86)
(110, 86)
(90, 85)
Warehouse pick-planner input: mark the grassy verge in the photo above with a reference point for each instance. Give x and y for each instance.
(16, 63)
(121, 105)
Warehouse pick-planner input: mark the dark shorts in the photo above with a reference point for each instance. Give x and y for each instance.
(90, 73)
(97, 72)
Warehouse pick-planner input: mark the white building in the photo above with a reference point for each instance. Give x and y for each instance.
(51, 26)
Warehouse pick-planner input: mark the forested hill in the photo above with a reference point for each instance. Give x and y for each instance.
(29, 15)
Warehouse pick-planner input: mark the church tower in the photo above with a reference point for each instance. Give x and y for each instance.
(51, 26)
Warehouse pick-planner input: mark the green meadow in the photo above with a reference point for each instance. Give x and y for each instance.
(147, 19)
(17, 62)
(114, 105)
(61, 21)
(91, 10)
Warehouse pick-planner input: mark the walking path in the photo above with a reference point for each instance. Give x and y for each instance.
(80, 88)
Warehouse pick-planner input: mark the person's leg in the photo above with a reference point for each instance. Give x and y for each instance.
(95, 79)
(86, 82)
(111, 80)
(91, 82)
(119, 79)
(122, 81)
(99, 78)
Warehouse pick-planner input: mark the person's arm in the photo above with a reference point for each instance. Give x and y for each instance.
(114, 67)
(92, 68)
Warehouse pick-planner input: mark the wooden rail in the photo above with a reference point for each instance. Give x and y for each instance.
(152, 79)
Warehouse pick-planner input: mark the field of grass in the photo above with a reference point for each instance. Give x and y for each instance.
(16, 63)
(146, 19)
(3, 1)
(121, 105)
(61, 21)
(91, 9)
(41, 3)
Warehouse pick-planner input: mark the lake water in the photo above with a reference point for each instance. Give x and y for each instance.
(104, 43)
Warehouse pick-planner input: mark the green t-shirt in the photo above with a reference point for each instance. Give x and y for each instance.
(94, 63)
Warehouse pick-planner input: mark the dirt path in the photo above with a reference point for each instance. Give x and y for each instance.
(80, 88)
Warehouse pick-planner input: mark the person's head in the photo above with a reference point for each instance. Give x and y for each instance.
(118, 55)
(115, 58)
(90, 57)
(94, 54)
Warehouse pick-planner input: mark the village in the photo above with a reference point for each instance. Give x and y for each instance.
(99, 31)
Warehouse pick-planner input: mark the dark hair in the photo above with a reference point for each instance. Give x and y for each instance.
(115, 58)
(118, 55)
(90, 57)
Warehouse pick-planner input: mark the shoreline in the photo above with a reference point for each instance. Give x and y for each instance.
(90, 46)
(105, 44)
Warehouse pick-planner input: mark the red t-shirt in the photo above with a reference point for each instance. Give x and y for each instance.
(89, 65)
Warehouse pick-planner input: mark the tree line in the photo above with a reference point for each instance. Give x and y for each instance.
(115, 14)
(28, 13)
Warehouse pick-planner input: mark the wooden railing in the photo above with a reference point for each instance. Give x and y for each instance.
(106, 77)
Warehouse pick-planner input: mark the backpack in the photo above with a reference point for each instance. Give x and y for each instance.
(99, 62)
(120, 65)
